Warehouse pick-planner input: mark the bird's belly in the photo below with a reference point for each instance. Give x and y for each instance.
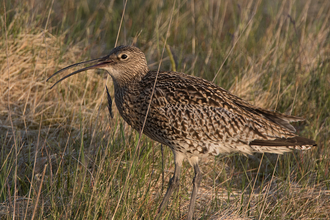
(189, 143)
(194, 147)
(192, 139)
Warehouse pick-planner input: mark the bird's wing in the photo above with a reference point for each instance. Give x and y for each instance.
(178, 92)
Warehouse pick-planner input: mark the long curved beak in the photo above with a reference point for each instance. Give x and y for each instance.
(97, 63)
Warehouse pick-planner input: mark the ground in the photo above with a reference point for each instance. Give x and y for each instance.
(63, 157)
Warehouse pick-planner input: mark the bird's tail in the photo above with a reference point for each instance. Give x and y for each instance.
(282, 144)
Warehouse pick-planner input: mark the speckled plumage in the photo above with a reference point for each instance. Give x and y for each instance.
(192, 116)
(196, 117)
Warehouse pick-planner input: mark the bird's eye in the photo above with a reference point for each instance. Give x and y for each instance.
(124, 56)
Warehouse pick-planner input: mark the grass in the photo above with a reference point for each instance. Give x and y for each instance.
(62, 157)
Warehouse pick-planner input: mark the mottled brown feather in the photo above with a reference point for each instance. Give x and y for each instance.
(196, 117)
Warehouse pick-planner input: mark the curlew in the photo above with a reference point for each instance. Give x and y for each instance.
(192, 116)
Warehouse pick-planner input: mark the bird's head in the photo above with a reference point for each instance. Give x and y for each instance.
(123, 64)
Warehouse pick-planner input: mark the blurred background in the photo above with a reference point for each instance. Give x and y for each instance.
(63, 157)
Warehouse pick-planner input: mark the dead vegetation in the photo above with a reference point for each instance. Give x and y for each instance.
(62, 157)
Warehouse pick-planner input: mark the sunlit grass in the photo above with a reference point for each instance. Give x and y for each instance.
(63, 157)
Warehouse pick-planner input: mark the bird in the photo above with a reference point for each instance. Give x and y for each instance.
(195, 118)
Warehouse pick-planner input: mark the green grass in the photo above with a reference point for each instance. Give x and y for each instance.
(62, 157)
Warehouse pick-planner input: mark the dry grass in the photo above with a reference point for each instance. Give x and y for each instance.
(62, 157)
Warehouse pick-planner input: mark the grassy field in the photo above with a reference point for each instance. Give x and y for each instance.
(63, 157)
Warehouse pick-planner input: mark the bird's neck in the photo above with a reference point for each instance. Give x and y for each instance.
(125, 81)
(124, 90)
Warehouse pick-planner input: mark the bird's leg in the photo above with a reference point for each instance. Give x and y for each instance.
(172, 185)
(196, 182)
(174, 181)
